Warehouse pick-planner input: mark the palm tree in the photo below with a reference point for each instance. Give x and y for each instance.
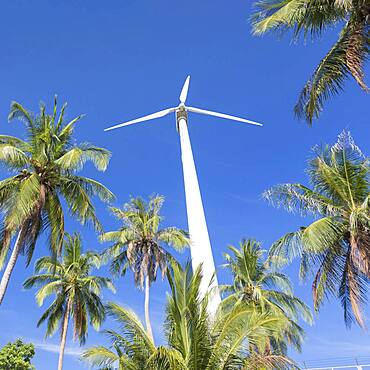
(45, 164)
(138, 244)
(335, 248)
(193, 340)
(258, 285)
(345, 58)
(77, 292)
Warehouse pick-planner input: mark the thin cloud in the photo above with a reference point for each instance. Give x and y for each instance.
(55, 348)
(342, 347)
(7, 313)
(349, 347)
(247, 200)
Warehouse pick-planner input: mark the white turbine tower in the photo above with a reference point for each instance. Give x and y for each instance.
(200, 246)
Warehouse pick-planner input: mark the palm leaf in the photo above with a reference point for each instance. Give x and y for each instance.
(76, 157)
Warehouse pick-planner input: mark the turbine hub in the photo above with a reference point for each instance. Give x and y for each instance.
(181, 113)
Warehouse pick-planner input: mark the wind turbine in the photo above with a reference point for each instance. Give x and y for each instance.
(200, 246)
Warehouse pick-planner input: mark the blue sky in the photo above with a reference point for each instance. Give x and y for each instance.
(119, 59)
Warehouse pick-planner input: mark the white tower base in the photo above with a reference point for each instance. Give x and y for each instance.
(200, 247)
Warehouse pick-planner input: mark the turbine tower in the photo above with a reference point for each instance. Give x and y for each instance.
(200, 246)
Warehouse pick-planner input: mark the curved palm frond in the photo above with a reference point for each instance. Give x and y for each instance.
(258, 287)
(330, 75)
(345, 58)
(77, 292)
(45, 162)
(139, 244)
(76, 157)
(335, 248)
(193, 340)
(140, 343)
(101, 357)
(13, 157)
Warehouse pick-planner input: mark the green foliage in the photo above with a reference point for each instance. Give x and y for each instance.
(76, 291)
(17, 356)
(138, 244)
(45, 165)
(335, 248)
(259, 286)
(194, 341)
(345, 58)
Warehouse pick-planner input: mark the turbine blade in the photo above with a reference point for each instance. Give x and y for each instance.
(149, 117)
(221, 115)
(184, 91)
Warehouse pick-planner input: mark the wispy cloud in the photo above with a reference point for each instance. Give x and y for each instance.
(343, 347)
(245, 199)
(7, 313)
(55, 348)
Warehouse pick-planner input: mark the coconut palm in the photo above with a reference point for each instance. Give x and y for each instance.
(258, 285)
(77, 293)
(335, 248)
(44, 167)
(193, 340)
(138, 244)
(345, 58)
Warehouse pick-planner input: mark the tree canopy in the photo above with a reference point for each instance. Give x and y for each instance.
(258, 285)
(194, 340)
(17, 356)
(76, 291)
(43, 182)
(313, 17)
(335, 248)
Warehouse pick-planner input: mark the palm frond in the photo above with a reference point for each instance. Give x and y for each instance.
(13, 157)
(17, 111)
(345, 58)
(269, 362)
(353, 292)
(166, 359)
(92, 187)
(27, 198)
(174, 237)
(76, 157)
(312, 16)
(131, 327)
(299, 198)
(79, 202)
(77, 292)
(330, 75)
(67, 130)
(101, 357)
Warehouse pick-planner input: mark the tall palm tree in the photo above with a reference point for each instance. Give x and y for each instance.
(193, 340)
(335, 248)
(77, 293)
(44, 167)
(138, 244)
(258, 285)
(345, 58)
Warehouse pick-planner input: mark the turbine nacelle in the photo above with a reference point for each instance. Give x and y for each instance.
(182, 107)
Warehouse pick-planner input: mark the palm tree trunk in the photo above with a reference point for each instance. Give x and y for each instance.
(359, 256)
(64, 336)
(11, 263)
(146, 307)
(18, 244)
